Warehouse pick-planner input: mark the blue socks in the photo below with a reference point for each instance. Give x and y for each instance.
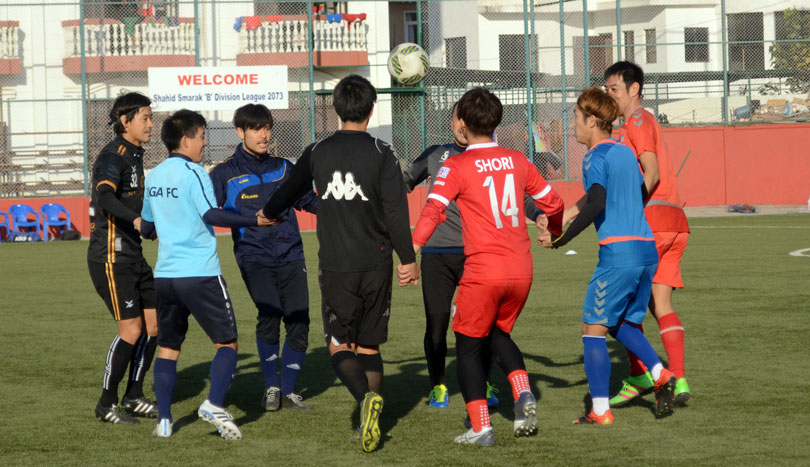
(223, 367)
(165, 376)
(633, 340)
(268, 356)
(292, 361)
(597, 365)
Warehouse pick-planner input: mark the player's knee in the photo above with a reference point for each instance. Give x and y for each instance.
(130, 330)
(368, 349)
(298, 336)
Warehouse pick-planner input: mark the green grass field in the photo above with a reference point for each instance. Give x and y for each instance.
(746, 310)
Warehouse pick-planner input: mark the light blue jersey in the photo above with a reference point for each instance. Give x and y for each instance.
(625, 238)
(177, 194)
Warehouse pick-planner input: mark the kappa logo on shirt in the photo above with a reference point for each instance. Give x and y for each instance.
(444, 156)
(341, 188)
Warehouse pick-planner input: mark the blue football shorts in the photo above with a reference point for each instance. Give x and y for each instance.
(618, 294)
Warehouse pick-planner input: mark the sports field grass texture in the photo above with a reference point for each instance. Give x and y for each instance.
(746, 310)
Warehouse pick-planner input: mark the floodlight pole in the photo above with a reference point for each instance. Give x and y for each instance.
(526, 53)
(564, 88)
(423, 124)
(85, 149)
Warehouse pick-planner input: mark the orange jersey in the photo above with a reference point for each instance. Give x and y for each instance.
(664, 210)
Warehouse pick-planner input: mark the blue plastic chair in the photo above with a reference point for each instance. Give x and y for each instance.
(19, 218)
(6, 222)
(50, 218)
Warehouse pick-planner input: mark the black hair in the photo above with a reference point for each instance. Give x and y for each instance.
(126, 104)
(630, 73)
(354, 98)
(481, 111)
(252, 116)
(184, 122)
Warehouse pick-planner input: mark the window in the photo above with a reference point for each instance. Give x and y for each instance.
(122, 9)
(274, 7)
(410, 27)
(650, 40)
(697, 47)
(455, 52)
(629, 46)
(512, 51)
(746, 27)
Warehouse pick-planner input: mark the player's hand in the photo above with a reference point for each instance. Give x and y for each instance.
(545, 239)
(542, 222)
(263, 221)
(137, 224)
(408, 274)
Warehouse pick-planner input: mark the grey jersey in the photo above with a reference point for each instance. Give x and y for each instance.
(447, 234)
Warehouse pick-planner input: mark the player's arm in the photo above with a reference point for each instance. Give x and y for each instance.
(572, 212)
(220, 184)
(299, 183)
(107, 178)
(202, 195)
(531, 210)
(308, 202)
(147, 230)
(649, 164)
(545, 198)
(418, 171)
(395, 208)
(594, 206)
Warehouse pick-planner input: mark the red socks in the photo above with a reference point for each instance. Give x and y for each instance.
(672, 337)
(519, 380)
(479, 414)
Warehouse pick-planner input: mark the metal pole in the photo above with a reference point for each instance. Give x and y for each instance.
(724, 41)
(527, 56)
(619, 29)
(85, 137)
(423, 124)
(656, 96)
(587, 44)
(564, 86)
(533, 60)
(196, 33)
(311, 69)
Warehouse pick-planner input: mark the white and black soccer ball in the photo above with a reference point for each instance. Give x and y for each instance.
(408, 63)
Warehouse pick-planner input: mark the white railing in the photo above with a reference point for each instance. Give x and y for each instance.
(109, 37)
(292, 36)
(9, 39)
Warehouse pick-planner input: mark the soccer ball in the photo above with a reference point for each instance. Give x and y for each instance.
(408, 63)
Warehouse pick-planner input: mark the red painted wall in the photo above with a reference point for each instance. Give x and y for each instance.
(757, 164)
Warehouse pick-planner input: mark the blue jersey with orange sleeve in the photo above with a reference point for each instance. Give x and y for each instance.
(625, 238)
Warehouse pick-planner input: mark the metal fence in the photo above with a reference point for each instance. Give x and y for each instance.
(63, 62)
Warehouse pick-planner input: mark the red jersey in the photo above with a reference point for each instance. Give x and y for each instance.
(488, 183)
(664, 210)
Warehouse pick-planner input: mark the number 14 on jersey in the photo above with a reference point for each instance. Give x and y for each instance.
(508, 205)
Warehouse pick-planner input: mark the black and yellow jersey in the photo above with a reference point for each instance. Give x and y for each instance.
(113, 238)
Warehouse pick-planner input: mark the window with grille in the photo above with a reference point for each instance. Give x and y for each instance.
(410, 22)
(512, 52)
(696, 48)
(630, 46)
(455, 49)
(650, 48)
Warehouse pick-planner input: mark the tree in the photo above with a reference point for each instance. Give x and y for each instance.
(793, 56)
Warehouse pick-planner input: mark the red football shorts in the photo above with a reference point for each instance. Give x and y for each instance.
(671, 246)
(479, 305)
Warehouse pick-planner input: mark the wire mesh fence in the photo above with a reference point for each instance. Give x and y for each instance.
(63, 62)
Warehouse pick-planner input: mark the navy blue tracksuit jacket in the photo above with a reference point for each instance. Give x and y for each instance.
(243, 183)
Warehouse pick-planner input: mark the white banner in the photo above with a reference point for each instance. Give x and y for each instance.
(218, 88)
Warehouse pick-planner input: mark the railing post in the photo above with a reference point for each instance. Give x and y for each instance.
(724, 42)
(563, 85)
(196, 33)
(527, 52)
(310, 45)
(85, 152)
(619, 30)
(586, 44)
(423, 96)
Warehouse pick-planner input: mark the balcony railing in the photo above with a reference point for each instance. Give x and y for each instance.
(113, 46)
(9, 47)
(285, 40)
